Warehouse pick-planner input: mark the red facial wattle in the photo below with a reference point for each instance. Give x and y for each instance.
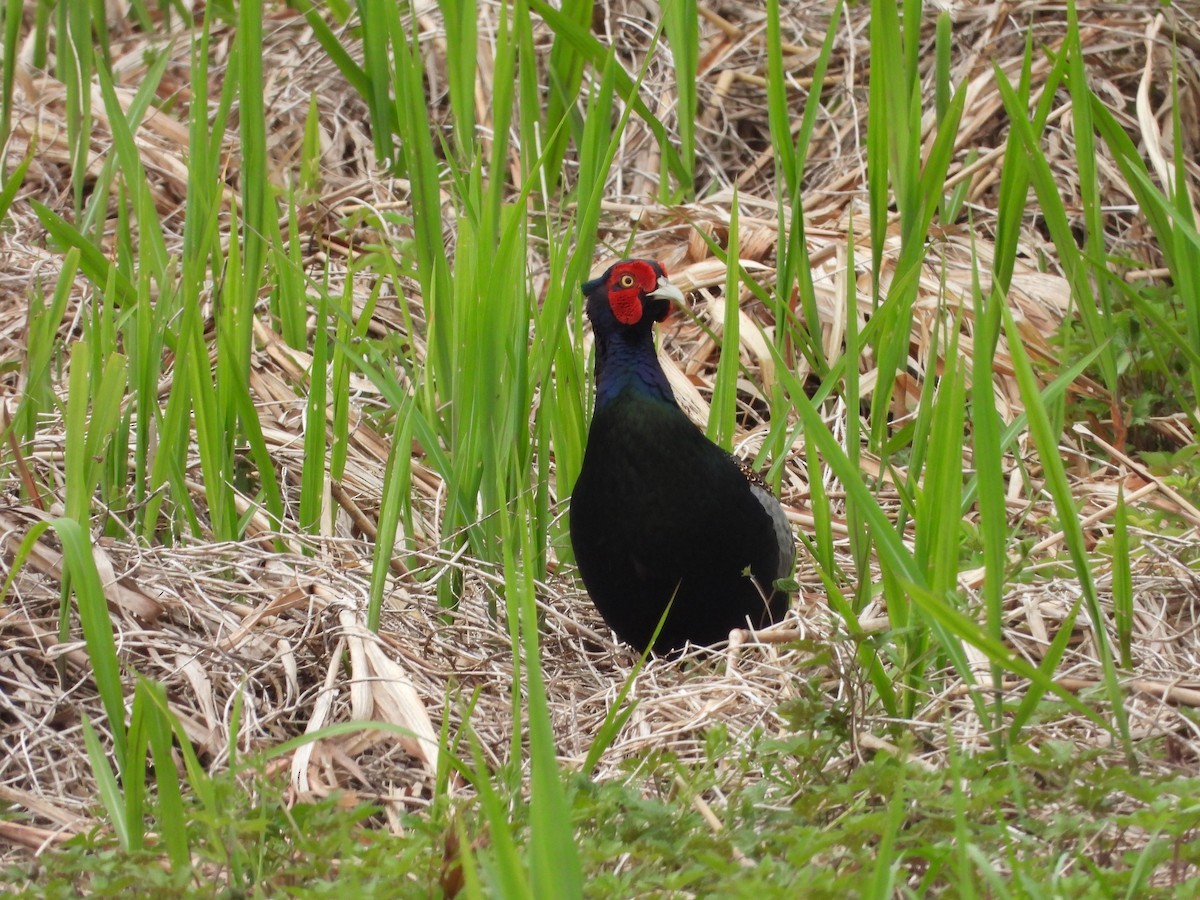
(626, 305)
(626, 286)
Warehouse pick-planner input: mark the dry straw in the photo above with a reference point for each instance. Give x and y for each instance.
(287, 630)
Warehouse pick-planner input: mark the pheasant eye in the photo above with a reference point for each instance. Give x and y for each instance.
(626, 280)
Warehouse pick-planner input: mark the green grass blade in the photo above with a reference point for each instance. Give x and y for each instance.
(133, 779)
(289, 297)
(151, 246)
(80, 569)
(107, 787)
(313, 475)
(1046, 442)
(590, 49)
(722, 419)
(11, 183)
(510, 873)
(13, 10)
(341, 58)
(340, 387)
(73, 63)
(946, 621)
(565, 76)
(379, 24)
(461, 39)
(1122, 583)
(887, 862)
(256, 205)
(170, 812)
(681, 25)
(94, 264)
(44, 322)
(396, 482)
(989, 472)
(1057, 223)
(554, 859)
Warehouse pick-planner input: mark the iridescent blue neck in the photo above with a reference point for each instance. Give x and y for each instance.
(626, 362)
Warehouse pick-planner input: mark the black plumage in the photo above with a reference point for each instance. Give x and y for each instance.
(659, 511)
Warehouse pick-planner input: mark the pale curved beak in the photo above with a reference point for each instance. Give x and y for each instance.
(666, 291)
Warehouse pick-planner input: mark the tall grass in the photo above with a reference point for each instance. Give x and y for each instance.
(496, 388)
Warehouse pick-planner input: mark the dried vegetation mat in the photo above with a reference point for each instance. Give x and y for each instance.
(279, 619)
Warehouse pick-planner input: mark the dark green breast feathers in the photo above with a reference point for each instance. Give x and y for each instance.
(661, 515)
